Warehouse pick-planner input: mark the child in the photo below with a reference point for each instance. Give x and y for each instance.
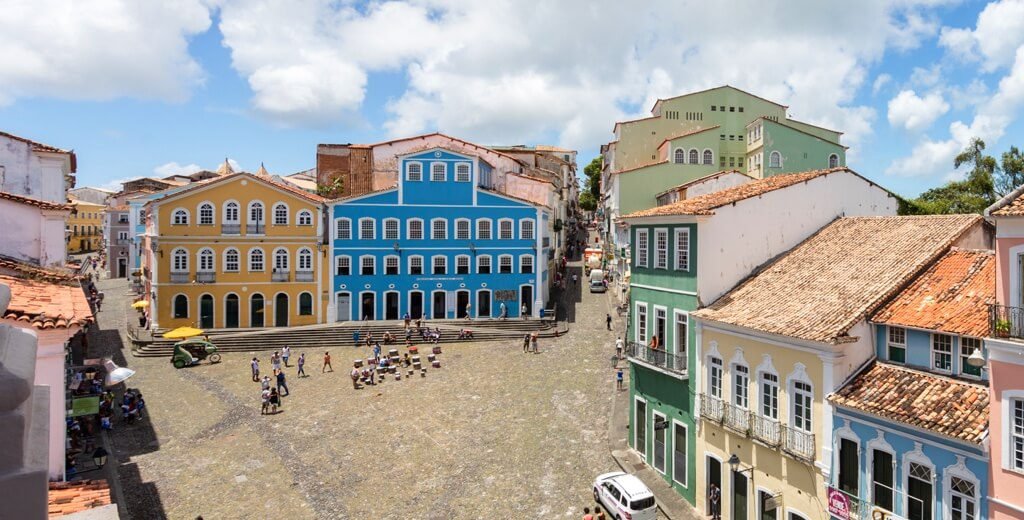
(618, 378)
(327, 363)
(275, 400)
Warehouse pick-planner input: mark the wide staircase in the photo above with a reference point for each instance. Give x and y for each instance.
(341, 335)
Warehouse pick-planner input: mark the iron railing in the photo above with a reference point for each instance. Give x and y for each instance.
(230, 229)
(255, 229)
(303, 276)
(736, 418)
(798, 443)
(1006, 322)
(657, 357)
(180, 278)
(859, 509)
(280, 276)
(122, 241)
(206, 277)
(765, 430)
(711, 408)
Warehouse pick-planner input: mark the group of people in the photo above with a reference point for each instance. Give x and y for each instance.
(273, 390)
(530, 342)
(598, 514)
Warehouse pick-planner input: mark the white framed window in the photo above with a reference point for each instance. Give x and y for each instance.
(682, 249)
(367, 265)
(681, 335)
(775, 159)
(833, 161)
(391, 265)
(414, 171)
(1013, 420)
(483, 264)
(280, 214)
(256, 259)
(343, 265)
(179, 217)
(967, 347)
(415, 264)
(305, 260)
(883, 479)
(679, 156)
(526, 229)
(280, 259)
(897, 344)
(305, 218)
(661, 249)
(694, 156)
(462, 172)
(505, 264)
(770, 395)
(963, 499)
(848, 458)
(803, 395)
(439, 229)
(505, 229)
(255, 212)
(439, 264)
(462, 264)
(709, 157)
(414, 229)
(179, 261)
(641, 248)
(206, 263)
(715, 377)
(660, 446)
(942, 353)
(206, 214)
(180, 306)
(367, 229)
(391, 229)
(438, 172)
(741, 386)
(641, 323)
(680, 447)
(526, 264)
(463, 231)
(343, 229)
(920, 500)
(483, 229)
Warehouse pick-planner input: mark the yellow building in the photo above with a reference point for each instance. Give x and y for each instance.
(773, 348)
(85, 227)
(239, 250)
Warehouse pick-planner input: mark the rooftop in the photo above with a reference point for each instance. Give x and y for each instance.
(41, 204)
(67, 498)
(952, 295)
(687, 133)
(45, 298)
(1011, 205)
(40, 147)
(943, 405)
(821, 288)
(701, 179)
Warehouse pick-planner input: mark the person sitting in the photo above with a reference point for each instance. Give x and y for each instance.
(388, 338)
(406, 360)
(465, 334)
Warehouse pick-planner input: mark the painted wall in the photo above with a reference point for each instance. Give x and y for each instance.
(918, 350)
(638, 188)
(1006, 372)
(717, 183)
(31, 234)
(1009, 244)
(799, 151)
(86, 225)
(32, 174)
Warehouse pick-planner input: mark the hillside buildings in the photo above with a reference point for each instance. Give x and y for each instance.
(86, 227)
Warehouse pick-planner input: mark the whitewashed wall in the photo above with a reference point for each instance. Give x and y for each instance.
(32, 174)
(716, 183)
(31, 234)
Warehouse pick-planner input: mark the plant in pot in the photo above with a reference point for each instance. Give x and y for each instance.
(1002, 328)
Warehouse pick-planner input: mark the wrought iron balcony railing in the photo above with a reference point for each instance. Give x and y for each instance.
(765, 430)
(255, 229)
(180, 278)
(304, 276)
(711, 408)
(798, 443)
(230, 229)
(206, 277)
(657, 357)
(280, 276)
(736, 418)
(1006, 322)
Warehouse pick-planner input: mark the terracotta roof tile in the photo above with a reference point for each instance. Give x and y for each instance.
(44, 298)
(687, 133)
(952, 295)
(40, 147)
(838, 276)
(946, 406)
(42, 204)
(702, 179)
(1010, 206)
(66, 498)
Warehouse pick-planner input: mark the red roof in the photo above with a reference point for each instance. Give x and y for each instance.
(953, 295)
(66, 498)
(41, 204)
(45, 298)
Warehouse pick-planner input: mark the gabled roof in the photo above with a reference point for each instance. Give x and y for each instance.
(45, 298)
(702, 179)
(40, 147)
(952, 296)
(1011, 205)
(641, 166)
(815, 126)
(29, 201)
(423, 136)
(821, 288)
(350, 198)
(795, 129)
(716, 88)
(224, 178)
(66, 498)
(687, 133)
(946, 406)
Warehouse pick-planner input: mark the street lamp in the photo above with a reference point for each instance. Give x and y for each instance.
(976, 359)
(734, 464)
(99, 457)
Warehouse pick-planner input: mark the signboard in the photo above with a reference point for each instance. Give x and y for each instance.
(505, 295)
(772, 502)
(839, 504)
(85, 406)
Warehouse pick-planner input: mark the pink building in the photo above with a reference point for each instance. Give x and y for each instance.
(1005, 346)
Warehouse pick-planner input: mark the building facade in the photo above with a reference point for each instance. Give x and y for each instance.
(439, 244)
(86, 227)
(118, 238)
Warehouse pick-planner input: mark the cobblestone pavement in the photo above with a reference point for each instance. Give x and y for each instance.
(494, 433)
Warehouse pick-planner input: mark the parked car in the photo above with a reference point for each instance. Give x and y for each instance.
(625, 497)
(598, 286)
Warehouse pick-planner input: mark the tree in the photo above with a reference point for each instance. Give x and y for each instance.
(588, 202)
(971, 195)
(1011, 172)
(593, 173)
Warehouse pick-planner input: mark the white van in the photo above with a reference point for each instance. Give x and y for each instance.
(597, 281)
(625, 496)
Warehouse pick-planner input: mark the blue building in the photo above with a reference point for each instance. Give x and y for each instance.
(438, 244)
(910, 428)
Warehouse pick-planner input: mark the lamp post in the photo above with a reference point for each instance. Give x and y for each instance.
(976, 359)
(734, 464)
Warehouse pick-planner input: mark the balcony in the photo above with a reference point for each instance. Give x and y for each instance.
(206, 277)
(1006, 322)
(180, 278)
(765, 430)
(231, 229)
(798, 443)
(303, 276)
(280, 276)
(254, 229)
(656, 358)
(123, 241)
(736, 418)
(711, 408)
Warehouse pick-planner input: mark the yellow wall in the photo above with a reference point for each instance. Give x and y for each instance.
(85, 215)
(801, 483)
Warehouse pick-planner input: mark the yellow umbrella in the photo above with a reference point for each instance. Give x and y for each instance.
(141, 304)
(183, 332)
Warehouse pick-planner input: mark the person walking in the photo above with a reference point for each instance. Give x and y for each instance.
(255, 363)
(286, 353)
(264, 401)
(275, 361)
(608, 321)
(618, 348)
(275, 400)
(618, 378)
(598, 514)
(265, 383)
(586, 514)
(574, 280)
(715, 499)
(526, 343)
(523, 313)
(376, 352)
(302, 364)
(469, 308)
(281, 384)
(533, 341)
(327, 363)
(503, 312)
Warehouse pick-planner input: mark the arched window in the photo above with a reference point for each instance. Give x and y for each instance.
(483, 229)
(833, 161)
(256, 212)
(694, 156)
(679, 157)
(367, 265)
(526, 264)
(526, 229)
(391, 264)
(305, 218)
(775, 160)
(462, 230)
(439, 229)
(280, 260)
(505, 264)
(438, 171)
(483, 264)
(280, 214)
(414, 171)
(415, 229)
(709, 158)
(343, 229)
(180, 306)
(440, 264)
(231, 212)
(391, 229)
(179, 261)
(416, 264)
(305, 304)
(231, 260)
(179, 217)
(205, 260)
(343, 265)
(462, 172)
(256, 259)
(367, 229)
(462, 264)
(505, 229)
(305, 263)
(206, 214)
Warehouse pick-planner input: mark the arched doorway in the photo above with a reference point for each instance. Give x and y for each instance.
(344, 306)
(416, 304)
(526, 298)
(256, 305)
(206, 311)
(461, 301)
(231, 311)
(281, 310)
(391, 305)
(483, 304)
(367, 306)
(438, 310)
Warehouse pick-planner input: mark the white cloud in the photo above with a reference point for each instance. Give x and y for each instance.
(880, 82)
(99, 51)
(173, 168)
(914, 113)
(995, 39)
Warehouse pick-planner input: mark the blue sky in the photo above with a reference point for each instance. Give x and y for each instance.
(144, 89)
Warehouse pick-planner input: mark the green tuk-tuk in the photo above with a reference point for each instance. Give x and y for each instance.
(193, 350)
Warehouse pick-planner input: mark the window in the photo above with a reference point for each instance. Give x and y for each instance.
(256, 212)
(848, 467)
(343, 229)
(694, 157)
(967, 347)
(416, 264)
(366, 265)
(942, 352)
(683, 249)
(415, 231)
(775, 160)
(462, 172)
(526, 264)
(919, 492)
(280, 260)
(526, 229)
(802, 396)
(659, 441)
(681, 336)
(483, 229)
(897, 344)
(206, 260)
(305, 304)
(439, 265)
(206, 214)
(462, 264)
(963, 499)
(882, 479)
(462, 230)
(414, 171)
(439, 229)
(438, 172)
(305, 218)
(343, 266)
(679, 156)
(256, 259)
(505, 264)
(833, 161)
(280, 215)
(505, 229)
(715, 377)
(772, 514)
(770, 395)
(641, 248)
(483, 264)
(367, 229)
(661, 249)
(391, 264)
(679, 449)
(180, 306)
(1016, 434)
(641, 323)
(179, 217)
(179, 261)
(741, 386)
(709, 158)
(732, 162)
(305, 260)
(391, 229)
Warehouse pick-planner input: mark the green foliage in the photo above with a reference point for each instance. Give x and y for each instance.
(588, 202)
(330, 190)
(971, 195)
(1011, 172)
(593, 173)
